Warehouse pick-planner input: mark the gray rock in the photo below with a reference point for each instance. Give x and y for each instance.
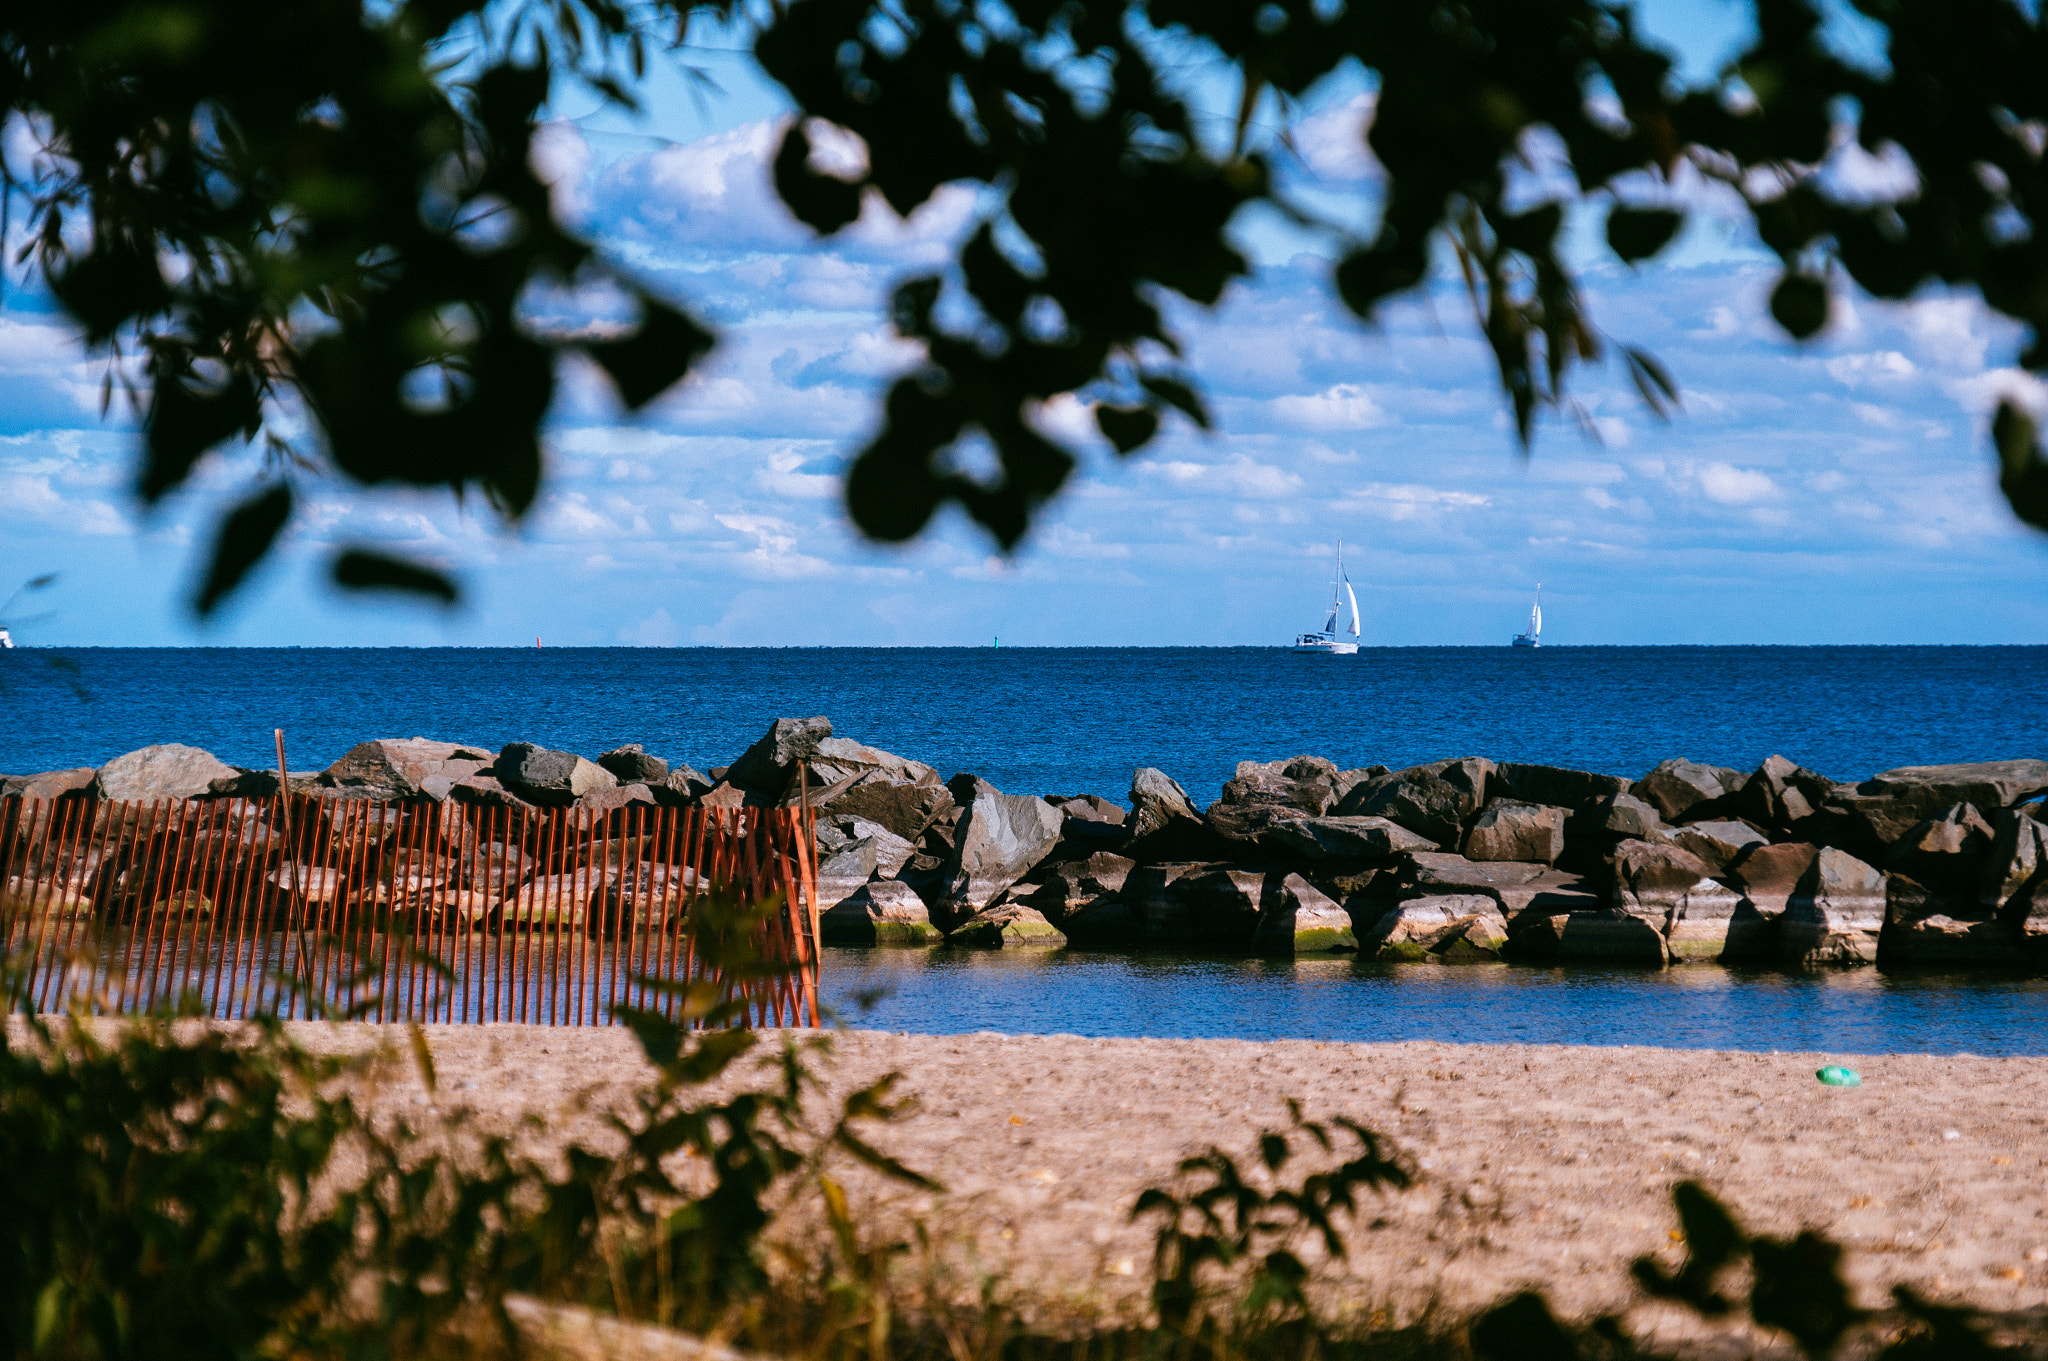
(1435, 800)
(1434, 927)
(1675, 786)
(1344, 838)
(1073, 885)
(906, 808)
(998, 838)
(682, 787)
(169, 771)
(1222, 906)
(838, 757)
(855, 860)
(1625, 815)
(1606, 935)
(632, 765)
(885, 853)
(1781, 794)
(1298, 918)
(1945, 853)
(1088, 808)
(1249, 831)
(1007, 926)
(614, 797)
(1109, 919)
(485, 791)
(1518, 831)
(1163, 821)
(1769, 875)
(1702, 923)
(1922, 927)
(552, 779)
(2014, 886)
(1836, 913)
(53, 784)
(1718, 843)
(880, 913)
(1307, 783)
(1555, 786)
(767, 768)
(1651, 880)
(1438, 872)
(390, 769)
(1988, 785)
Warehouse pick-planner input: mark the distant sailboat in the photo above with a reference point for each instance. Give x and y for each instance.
(6, 638)
(1534, 637)
(1327, 641)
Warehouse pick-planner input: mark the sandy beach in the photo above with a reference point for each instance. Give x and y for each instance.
(1539, 1165)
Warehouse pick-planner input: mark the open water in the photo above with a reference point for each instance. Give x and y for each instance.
(1079, 720)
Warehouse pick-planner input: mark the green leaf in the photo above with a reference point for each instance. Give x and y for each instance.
(1126, 427)
(654, 358)
(362, 569)
(1800, 303)
(824, 203)
(183, 424)
(245, 536)
(1179, 395)
(1639, 233)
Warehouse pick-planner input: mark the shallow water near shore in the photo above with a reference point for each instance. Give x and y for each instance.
(1848, 1011)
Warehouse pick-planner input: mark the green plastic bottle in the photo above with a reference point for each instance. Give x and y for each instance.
(1834, 1075)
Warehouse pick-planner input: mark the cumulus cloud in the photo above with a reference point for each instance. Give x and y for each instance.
(1732, 486)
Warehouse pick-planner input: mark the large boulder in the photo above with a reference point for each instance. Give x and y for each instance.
(390, 769)
(766, 769)
(1071, 885)
(1768, 875)
(845, 842)
(2014, 883)
(1781, 794)
(632, 765)
(1652, 880)
(1518, 831)
(1437, 800)
(1307, 783)
(169, 771)
(1556, 786)
(1297, 918)
(1164, 824)
(998, 838)
(1719, 843)
(1711, 915)
(881, 913)
(1665, 888)
(1835, 915)
(553, 779)
(54, 784)
(1945, 852)
(1889, 804)
(1249, 831)
(1439, 872)
(1630, 818)
(485, 791)
(1677, 785)
(838, 757)
(1007, 926)
(1344, 838)
(1450, 928)
(1924, 927)
(1089, 823)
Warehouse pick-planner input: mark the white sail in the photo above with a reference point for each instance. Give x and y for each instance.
(1535, 619)
(1353, 597)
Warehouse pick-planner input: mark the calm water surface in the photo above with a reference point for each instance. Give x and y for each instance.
(1852, 1011)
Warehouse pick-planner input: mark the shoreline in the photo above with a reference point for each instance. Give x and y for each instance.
(1540, 1165)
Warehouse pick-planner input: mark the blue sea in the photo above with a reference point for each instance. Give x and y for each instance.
(1079, 720)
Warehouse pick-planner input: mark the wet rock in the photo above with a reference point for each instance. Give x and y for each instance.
(169, 771)
(998, 838)
(1297, 918)
(1555, 786)
(1436, 801)
(1164, 824)
(880, 913)
(52, 784)
(1718, 843)
(1781, 794)
(1923, 927)
(1344, 838)
(1518, 831)
(1007, 926)
(1678, 785)
(766, 769)
(631, 764)
(1944, 852)
(1835, 914)
(553, 779)
(1710, 914)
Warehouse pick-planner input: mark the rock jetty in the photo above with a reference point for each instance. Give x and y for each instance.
(1455, 861)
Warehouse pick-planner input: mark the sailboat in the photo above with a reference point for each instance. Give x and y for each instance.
(1327, 641)
(1534, 637)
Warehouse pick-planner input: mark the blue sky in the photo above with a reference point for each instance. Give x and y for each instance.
(1839, 492)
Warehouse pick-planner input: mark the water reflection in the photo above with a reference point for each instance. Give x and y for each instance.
(1850, 1011)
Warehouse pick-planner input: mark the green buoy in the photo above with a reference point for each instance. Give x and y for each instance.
(1834, 1075)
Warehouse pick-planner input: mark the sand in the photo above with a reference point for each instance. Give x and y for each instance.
(1538, 1165)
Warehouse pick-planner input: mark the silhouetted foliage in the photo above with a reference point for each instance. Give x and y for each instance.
(331, 206)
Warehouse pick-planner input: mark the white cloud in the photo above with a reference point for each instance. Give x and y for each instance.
(1344, 406)
(1732, 486)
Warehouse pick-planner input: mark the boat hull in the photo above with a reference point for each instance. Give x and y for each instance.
(1328, 649)
(1524, 640)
